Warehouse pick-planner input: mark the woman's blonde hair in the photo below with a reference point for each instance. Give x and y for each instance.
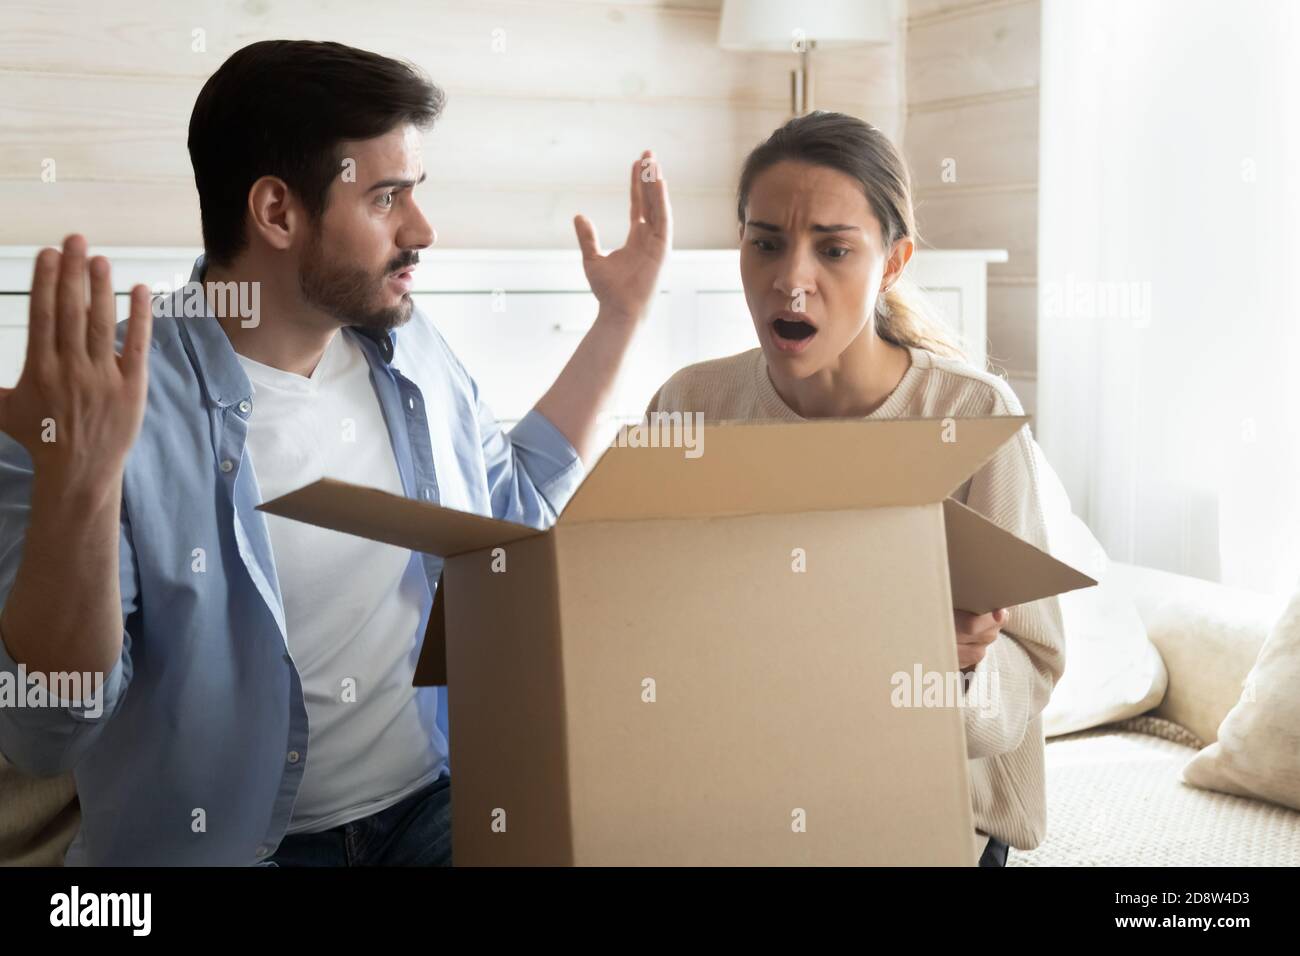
(845, 143)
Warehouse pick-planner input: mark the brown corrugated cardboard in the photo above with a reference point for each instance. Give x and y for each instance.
(693, 666)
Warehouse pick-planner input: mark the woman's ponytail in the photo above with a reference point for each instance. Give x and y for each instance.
(905, 316)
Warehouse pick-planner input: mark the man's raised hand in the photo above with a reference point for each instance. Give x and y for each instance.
(78, 405)
(625, 280)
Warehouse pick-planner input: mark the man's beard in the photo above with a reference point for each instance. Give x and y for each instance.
(350, 294)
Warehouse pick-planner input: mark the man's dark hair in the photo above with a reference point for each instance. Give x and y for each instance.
(282, 108)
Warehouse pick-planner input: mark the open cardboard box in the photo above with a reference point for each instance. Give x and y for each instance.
(654, 681)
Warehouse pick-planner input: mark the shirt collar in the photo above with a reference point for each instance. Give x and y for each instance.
(219, 369)
(384, 342)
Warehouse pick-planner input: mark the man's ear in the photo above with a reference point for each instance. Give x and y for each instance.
(274, 213)
(898, 259)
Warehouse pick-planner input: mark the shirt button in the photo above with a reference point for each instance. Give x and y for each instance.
(428, 494)
(245, 406)
(410, 402)
(294, 756)
(227, 465)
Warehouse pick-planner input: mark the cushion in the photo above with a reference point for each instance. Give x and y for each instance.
(1208, 634)
(1257, 752)
(1112, 670)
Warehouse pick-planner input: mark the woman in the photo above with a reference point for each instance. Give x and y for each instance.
(826, 230)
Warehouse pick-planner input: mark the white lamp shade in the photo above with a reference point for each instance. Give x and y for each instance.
(776, 25)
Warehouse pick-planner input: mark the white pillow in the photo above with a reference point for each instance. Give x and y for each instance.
(1112, 670)
(1258, 750)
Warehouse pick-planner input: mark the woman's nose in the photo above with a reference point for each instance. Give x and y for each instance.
(795, 274)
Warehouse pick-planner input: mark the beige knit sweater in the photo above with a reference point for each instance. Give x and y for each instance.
(1006, 750)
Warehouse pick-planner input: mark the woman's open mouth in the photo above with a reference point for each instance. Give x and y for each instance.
(791, 332)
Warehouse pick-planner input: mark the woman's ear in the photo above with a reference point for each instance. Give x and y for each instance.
(272, 213)
(898, 259)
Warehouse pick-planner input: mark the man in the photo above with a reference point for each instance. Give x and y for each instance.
(257, 703)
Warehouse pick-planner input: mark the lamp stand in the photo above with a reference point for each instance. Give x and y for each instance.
(801, 82)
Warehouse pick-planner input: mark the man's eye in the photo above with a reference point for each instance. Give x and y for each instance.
(765, 245)
(840, 249)
(386, 200)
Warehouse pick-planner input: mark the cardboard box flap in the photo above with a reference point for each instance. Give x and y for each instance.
(770, 467)
(431, 669)
(991, 568)
(394, 519)
(988, 568)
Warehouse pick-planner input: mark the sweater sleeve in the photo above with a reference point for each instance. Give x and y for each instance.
(1022, 666)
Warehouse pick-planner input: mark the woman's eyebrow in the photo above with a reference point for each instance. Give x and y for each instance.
(398, 183)
(768, 227)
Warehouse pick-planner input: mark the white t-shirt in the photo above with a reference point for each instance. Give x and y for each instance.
(355, 609)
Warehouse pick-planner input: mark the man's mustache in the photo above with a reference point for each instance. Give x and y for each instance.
(404, 262)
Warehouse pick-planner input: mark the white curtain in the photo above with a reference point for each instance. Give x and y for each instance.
(1169, 314)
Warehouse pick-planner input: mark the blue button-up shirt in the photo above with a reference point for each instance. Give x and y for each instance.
(192, 759)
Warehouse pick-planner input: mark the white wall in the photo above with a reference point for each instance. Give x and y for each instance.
(972, 103)
(532, 135)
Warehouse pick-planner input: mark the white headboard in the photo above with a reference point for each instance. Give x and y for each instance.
(514, 317)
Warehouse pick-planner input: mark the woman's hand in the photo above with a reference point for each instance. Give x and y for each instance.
(624, 281)
(975, 632)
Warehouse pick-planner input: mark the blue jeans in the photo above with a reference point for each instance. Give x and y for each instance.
(416, 831)
(995, 853)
